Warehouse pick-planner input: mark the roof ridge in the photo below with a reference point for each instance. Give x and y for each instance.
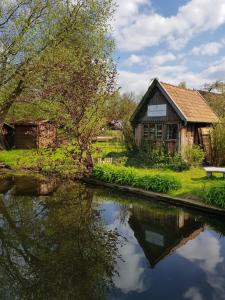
(179, 87)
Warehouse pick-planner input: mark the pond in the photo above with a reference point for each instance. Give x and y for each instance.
(67, 240)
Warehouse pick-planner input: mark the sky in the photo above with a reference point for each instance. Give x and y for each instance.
(172, 40)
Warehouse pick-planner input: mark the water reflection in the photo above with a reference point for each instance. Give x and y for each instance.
(54, 247)
(69, 241)
(171, 253)
(161, 234)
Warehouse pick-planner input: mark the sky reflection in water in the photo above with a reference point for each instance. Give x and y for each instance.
(69, 241)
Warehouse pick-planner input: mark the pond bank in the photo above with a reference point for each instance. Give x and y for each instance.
(189, 203)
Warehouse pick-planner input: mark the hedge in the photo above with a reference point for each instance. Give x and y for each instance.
(130, 176)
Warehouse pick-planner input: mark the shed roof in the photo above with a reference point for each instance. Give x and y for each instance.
(30, 122)
(189, 104)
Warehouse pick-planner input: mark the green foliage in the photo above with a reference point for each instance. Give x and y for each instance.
(215, 195)
(129, 176)
(218, 144)
(157, 157)
(177, 163)
(47, 161)
(194, 155)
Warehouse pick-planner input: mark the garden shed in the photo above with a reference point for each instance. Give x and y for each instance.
(171, 115)
(34, 135)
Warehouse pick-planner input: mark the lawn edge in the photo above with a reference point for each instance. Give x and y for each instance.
(188, 203)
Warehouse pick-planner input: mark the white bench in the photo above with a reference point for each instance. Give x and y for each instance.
(210, 170)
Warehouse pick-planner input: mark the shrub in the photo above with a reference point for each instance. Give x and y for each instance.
(129, 137)
(215, 195)
(157, 183)
(194, 155)
(218, 144)
(130, 176)
(178, 164)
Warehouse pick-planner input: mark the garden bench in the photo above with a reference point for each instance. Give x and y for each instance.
(210, 170)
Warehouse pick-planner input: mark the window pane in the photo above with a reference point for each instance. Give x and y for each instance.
(159, 131)
(146, 131)
(171, 132)
(152, 131)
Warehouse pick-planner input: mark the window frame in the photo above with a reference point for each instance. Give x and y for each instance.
(153, 131)
(167, 136)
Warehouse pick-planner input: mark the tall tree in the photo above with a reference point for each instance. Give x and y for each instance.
(78, 76)
(217, 86)
(27, 29)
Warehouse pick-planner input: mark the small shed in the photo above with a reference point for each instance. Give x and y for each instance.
(34, 135)
(172, 116)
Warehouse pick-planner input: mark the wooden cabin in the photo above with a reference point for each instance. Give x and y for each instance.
(171, 115)
(34, 135)
(160, 234)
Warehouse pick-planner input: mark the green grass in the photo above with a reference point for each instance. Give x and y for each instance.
(131, 177)
(17, 159)
(103, 149)
(194, 181)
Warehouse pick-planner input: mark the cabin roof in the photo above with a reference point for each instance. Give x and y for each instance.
(189, 104)
(30, 122)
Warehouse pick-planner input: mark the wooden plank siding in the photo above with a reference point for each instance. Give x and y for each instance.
(34, 135)
(156, 98)
(185, 108)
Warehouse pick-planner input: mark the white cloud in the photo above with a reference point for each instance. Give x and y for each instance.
(150, 61)
(136, 29)
(205, 251)
(208, 49)
(216, 71)
(139, 82)
(160, 59)
(134, 60)
(193, 294)
(131, 273)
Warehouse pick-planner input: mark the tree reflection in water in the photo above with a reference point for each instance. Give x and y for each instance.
(55, 247)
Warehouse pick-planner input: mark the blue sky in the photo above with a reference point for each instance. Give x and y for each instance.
(173, 40)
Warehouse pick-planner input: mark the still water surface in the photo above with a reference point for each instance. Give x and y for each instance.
(70, 241)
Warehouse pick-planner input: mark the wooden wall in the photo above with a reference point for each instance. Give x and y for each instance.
(157, 98)
(33, 136)
(25, 137)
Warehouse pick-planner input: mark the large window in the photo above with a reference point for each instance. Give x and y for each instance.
(153, 132)
(171, 132)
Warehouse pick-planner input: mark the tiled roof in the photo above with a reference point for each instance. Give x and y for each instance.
(191, 104)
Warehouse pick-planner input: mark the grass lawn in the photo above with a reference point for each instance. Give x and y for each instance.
(193, 181)
(56, 160)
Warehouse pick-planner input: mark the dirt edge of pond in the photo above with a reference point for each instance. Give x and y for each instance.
(189, 203)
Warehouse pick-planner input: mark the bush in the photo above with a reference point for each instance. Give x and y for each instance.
(194, 155)
(215, 195)
(131, 177)
(178, 164)
(218, 144)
